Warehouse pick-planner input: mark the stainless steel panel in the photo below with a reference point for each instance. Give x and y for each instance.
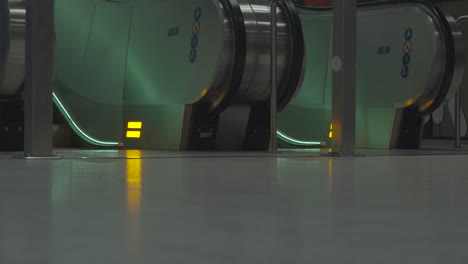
(12, 76)
(460, 56)
(257, 75)
(220, 86)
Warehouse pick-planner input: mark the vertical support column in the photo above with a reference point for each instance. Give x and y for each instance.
(40, 38)
(458, 111)
(274, 80)
(344, 77)
(458, 98)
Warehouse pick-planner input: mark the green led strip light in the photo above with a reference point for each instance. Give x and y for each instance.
(97, 142)
(77, 129)
(296, 142)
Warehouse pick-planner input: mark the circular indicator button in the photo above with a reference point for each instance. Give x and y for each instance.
(405, 71)
(196, 27)
(193, 55)
(194, 42)
(409, 34)
(197, 14)
(408, 47)
(337, 64)
(406, 59)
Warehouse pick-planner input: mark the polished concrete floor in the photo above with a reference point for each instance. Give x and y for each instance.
(100, 207)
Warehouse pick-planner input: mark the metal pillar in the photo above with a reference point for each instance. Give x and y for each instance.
(344, 77)
(458, 106)
(40, 38)
(458, 111)
(274, 80)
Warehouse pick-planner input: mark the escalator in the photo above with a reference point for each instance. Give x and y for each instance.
(185, 73)
(195, 74)
(409, 59)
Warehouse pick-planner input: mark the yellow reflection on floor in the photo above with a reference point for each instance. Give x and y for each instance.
(134, 165)
(330, 176)
(134, 186)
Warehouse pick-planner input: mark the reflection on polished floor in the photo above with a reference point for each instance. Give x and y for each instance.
(256, 209)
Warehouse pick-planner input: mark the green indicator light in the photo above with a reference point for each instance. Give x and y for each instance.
(77, 129)
(296, 142)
